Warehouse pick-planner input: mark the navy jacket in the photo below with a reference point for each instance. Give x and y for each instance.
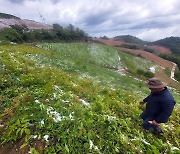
(160, 105)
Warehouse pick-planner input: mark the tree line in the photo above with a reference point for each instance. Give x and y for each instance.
(21, 34)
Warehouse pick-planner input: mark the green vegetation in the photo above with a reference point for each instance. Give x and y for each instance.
(136, 47)
(130, 39)
(70, 98)
(177, 75)
(167, 71)
(129, 46)
(172, 57)
(176, 59)
(146, 74)
(134, 63)
(96, 61)
(172, 43)
(20, 34)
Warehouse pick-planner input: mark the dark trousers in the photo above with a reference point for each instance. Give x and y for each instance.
(146, 119)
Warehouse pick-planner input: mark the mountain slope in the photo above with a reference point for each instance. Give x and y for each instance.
(131, 42)
(173, 43)
(130, 39)
(167, 45)
(54, 103)
(6, 20)
(7, 16)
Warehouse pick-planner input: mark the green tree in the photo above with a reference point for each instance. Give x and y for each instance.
(20, 28)
(11, 35)
(58, 31)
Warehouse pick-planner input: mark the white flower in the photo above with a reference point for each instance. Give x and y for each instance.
(37, 101)
(110, 118)
(42, 122)
(1, 126)
(54, 94)
(46, 137)
(174, 148)
(90, 144)
(47, 100)
(35, 136)
(84, 102)
(71, 115)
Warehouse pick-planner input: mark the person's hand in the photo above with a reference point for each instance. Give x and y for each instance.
(154, 123)
(141, 103)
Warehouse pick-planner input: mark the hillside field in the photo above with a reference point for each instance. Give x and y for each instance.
(76, 98)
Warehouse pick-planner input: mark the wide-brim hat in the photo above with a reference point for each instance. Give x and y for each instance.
(155, 83)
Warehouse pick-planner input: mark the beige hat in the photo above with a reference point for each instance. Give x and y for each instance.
(155, 83)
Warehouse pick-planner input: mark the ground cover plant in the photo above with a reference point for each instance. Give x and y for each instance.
(95, 61)
(51, 102)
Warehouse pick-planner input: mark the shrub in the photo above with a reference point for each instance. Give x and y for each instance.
(149, 74)
(177, 75)
(146, 74)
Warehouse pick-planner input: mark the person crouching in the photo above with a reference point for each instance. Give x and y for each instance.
(159, 105)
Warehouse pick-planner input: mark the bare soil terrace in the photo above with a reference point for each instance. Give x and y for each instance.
(29, 23)
(159, 49)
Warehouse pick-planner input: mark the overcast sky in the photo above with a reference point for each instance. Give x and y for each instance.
(147, 19)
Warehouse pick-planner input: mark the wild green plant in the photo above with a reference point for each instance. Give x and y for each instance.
(44, 101)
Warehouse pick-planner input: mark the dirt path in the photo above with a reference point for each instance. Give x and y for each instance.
(173, 71)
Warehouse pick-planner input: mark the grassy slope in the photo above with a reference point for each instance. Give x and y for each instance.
(69, 99)
(98, 62)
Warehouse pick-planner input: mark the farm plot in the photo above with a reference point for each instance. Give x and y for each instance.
(44, 109)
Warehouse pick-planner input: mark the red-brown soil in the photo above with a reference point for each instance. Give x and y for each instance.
(111, 42)
(149, 56)
(160, 49)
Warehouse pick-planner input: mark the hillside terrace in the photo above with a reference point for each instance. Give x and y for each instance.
(29, 23)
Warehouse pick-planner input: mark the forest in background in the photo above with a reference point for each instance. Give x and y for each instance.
(21, 34)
